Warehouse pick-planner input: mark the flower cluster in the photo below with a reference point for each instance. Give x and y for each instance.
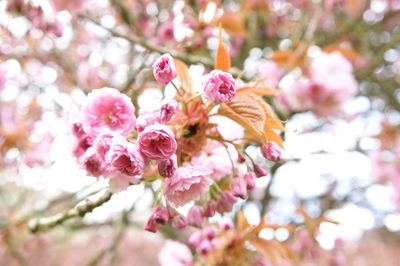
(180, 143)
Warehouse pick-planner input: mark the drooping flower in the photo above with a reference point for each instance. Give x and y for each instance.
(108, 109)
(125, 157)
(164, 69)
(250, 180)
(167, 167)
(219, 87)
(176, 254)
(187, 184)
(168, 110)
(271, 151)
(157, 142)
(195, 217)
(92, 163)
(239, 188)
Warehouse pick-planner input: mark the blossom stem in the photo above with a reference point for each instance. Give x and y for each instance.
(46, 223)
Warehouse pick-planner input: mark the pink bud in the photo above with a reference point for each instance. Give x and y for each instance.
(167, 111)
(239, 188)
(259, 170)
(209, 209)
(241, 158)
(151, 225)
(195, 238)
(250, 180)
(92, 163)
(226, 223)
(195, 217)
(77, 130)
(271, 151)
(210, 233)
(180, 222)
(167, 167)
(160, 215)
(164, 69)
(204, 248)
(225, 202)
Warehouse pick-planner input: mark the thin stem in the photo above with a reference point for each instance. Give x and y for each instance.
(43, 224)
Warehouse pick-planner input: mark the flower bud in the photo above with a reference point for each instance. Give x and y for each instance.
(167, 111)
(239, 188)
(204, 248)
(225, 202)
(167, 167)
(151, 225)
(250, 180)
(259, 170)
(180, 222)
(195, 217)
(271, 151)
(164, 69)
(195, 239)
(209, 209)
(226, 223)
(160, 215)
(210, 233)
(241, 158)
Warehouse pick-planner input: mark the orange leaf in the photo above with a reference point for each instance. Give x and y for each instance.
(272, 250)
(257, 90)
(183, 75)
(253, 113)
(246, 110)
(242, 223)
(223, 60)
(233, 21)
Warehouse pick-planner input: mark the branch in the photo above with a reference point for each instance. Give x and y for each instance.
(188, 59)
(43, 224)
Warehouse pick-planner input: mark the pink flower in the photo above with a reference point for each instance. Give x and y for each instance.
(259, 170)
(160, 216)
(195, 238)
(164, 69)
(168, 110)
(102, 144)
(125, 157)
(209, 209)
(176, 254)
(107, 108)
(92, 163)
(3, 78)
(219, 87)
(157, 142)
(81, 145)
(188, 183)
(271, 151)
(225, 202)
(195, 217)
(239, 188)
(167, 167)
(250, 180)
(147, 119)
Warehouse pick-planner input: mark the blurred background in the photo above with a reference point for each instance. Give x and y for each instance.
(341, 158)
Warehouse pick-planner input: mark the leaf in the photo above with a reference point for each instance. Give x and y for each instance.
(233, 21)
(254, 114)
(246, 110)
(242, 223)
(222, 60)
(272, 250)
(183, 75)
(257, 90)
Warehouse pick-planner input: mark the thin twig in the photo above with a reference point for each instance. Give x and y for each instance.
(43, 224)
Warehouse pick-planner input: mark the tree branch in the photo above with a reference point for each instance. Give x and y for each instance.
(43, 224)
